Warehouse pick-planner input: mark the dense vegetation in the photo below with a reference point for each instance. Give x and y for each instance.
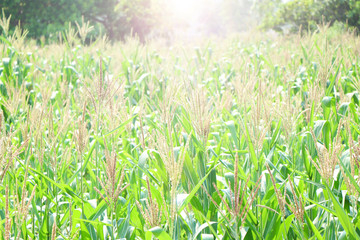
(48, 18)
(247, 137)
(307, 14)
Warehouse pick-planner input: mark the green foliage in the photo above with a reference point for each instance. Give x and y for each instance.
(309, 13)
(234, 139)
(43, 18)
(48, 17)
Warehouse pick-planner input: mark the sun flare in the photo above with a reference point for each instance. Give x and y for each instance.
(185, 9)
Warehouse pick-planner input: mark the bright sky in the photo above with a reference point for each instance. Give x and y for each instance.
(185, 9)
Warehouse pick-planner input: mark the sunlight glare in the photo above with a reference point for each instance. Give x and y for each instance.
(185, 9)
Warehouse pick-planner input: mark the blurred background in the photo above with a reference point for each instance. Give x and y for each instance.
(46, 20)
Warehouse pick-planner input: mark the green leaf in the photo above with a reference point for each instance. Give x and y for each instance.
(343, 217)
(253, 157)
(97, 222)
(84, 231)
(312, 226)
(321, 206)
(285, 226)
(348, 174)
(63, 187)
(232, 128)
(158, 233)
(324, 127)
(120, 128)
(44, 233)
(333, 80)
(193, 191)
(202, 227)
(5, 41)
(275, 135)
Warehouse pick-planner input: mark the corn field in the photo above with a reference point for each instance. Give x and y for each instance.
(248, 137)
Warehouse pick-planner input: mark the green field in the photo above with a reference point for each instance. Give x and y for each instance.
(249, 137)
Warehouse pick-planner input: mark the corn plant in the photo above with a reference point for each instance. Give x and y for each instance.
(232, 139)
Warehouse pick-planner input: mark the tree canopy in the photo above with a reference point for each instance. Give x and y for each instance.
(118, 18)
(307, 14)
(46, 17)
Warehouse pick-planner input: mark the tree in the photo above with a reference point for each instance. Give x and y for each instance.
(46, 17)
(42, 17)
(308, 13)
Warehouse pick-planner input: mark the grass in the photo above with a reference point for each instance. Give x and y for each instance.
(248, 137)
